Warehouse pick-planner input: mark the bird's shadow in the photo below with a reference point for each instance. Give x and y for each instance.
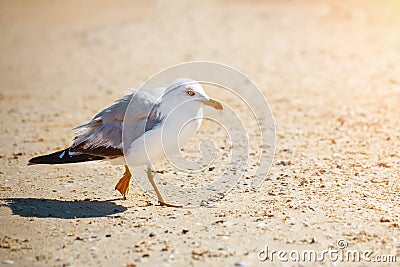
(53, 208)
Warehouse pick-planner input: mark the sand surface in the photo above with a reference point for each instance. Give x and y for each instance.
(329, 70)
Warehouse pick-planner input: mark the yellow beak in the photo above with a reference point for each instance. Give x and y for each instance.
(213, 103)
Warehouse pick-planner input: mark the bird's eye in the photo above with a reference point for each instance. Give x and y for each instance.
(190, 92)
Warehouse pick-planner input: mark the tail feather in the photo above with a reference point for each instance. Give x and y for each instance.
(63, 157)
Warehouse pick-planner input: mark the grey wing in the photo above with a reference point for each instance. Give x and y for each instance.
(102, 136)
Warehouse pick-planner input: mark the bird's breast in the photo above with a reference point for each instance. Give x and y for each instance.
(164, 140)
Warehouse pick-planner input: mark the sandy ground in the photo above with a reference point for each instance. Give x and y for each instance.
(330, 72)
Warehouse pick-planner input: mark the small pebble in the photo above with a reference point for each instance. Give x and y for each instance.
(261, 225)
(239, 263)
(108, 235)
(203, 204)
(8, 262)
(152, 234)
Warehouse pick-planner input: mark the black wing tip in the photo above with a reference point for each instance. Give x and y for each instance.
(33, 161)
(63, 157)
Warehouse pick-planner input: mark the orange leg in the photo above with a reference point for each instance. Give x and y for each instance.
(123, 184)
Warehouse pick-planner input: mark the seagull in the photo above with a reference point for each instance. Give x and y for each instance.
(138, 129)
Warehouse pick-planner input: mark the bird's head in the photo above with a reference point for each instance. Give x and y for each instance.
(187, 91)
